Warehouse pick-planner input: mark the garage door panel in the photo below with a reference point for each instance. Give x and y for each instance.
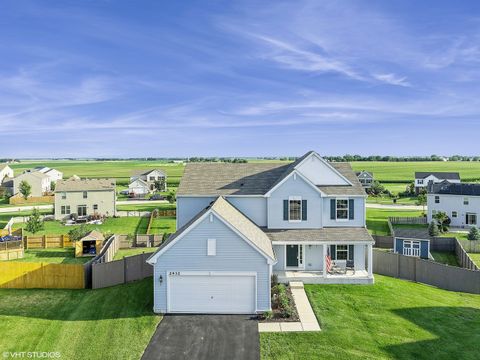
(212, 293)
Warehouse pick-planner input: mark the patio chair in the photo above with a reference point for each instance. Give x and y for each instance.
(350, 266)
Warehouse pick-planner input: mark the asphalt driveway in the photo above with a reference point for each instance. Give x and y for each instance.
(208, 337)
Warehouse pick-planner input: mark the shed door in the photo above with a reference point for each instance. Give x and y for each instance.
(211, 293)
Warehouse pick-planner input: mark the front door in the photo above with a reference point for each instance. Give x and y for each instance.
(292, 256)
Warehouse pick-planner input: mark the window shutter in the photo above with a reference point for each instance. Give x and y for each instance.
(351, 209)
(332, 209)
(333, 254)
(304, 210)
(285, 210)
(350, 252)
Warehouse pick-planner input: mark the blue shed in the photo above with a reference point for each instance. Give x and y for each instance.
(412, 247)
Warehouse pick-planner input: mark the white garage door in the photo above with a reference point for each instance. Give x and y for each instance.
(200, 292)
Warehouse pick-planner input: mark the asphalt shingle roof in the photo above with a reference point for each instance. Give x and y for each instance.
(446, 188)
(76, 184)
(348, 234)
(438, 175)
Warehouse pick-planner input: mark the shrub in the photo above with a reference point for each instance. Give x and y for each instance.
(474, 234)
(433, 229)
(267, 315)
(35, 222)
(78, 232)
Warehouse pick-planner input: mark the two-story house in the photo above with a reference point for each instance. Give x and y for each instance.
(53, 174)
(84, 197)
(143, 182)
(366, 178)
(39, 183)
(461, 202)
(239, 224)
(422, 179)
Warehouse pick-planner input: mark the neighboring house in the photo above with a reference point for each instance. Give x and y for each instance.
(422, 179)
(84, 197)
(53, 174)
(148, 178)
(461, 202)
(39, 182)
(365, 178)
(238, 224)
(5, 172)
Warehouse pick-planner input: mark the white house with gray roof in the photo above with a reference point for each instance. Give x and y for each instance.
(238, 224)
(143, 182)
(422, 179)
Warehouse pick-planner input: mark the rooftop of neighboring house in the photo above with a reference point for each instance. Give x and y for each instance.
(44, 169)
(3, 166)
(446, 188)
(76, 184)
(255, 178)
(364, 173)
(147, 172)
(438, 175)
(36, 174)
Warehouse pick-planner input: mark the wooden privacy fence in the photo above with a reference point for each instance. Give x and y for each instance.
(407, 220)
(24, 275)
(428, 272)
(117, 272)
(45, 242)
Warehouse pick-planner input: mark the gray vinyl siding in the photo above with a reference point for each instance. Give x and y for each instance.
(450, 203)
(359, 257)
(255, 208)
(314, 257)
(359, 211)
(293, 187)
(188, 207)
(232, 254)
(279, 251)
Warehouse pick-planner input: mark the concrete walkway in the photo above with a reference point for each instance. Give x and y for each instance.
(308, 320)
(395, 207)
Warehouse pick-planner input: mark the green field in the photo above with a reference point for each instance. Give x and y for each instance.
(111, 323)
(393, 319)
(404, 171)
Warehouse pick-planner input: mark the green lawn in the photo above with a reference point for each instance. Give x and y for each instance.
(163, 224)
(111, 323)
(53, 256)
(377, 219)
(146, 207)
(448, 258)
(389, 201)
(393, 319)
(476, 258)
(405, 171)
(121, 253)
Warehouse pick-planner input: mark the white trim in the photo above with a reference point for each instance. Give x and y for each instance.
(327, 164)
(301, 265)
(347, 208)
(329, 242)
(295, 198)
(211, 247)
(269, 192)
(211, 273)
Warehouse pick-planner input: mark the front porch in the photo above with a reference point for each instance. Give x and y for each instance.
(317, 277)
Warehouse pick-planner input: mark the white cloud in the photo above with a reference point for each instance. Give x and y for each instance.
(392, 79)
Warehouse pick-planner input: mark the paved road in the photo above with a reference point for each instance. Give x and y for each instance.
(10, 209)
(208, 337)
(395, 207)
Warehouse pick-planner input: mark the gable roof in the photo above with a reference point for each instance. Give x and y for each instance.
(94, 234)
(233, 218)
(77, 184)
(36, 174)
(364, 173)
(438, 175)
(223, 179)
(3, 166)
(140, 181)
(146, 172)
(446, 188)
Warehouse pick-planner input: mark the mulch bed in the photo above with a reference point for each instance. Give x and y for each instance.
(278, 313)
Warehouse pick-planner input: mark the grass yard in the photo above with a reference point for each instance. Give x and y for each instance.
(448, 258)
(146, 207)
(393, 319)
(111, 323)
(389, 201)
(475, 257)
(377, 219)
(53, 256)
(405, 171)
(164, 224)
(121, 253)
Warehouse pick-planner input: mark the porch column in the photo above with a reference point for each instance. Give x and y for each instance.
(324, 273)
(370, 260)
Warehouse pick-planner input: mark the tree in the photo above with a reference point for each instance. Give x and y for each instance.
(433, 229)
(422, 201)
(78, 232)
(171, 198)
(443, 221)
(35, 222)
(474, 234)
(52, 185)
(160, 184)
(376, 189)
(25, 189)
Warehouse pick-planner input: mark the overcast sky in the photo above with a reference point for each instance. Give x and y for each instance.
(238, 78)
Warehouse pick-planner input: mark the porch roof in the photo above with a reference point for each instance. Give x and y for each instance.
(337, 234)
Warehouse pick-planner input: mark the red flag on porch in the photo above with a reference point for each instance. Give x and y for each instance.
(328, 261)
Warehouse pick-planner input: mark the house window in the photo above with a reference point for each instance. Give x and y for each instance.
(95, 207)
(295, 209)
(341, 252)
(420, 182)
(437, 199)
(85, 194)
(65, 210)
(454, 214)
(471, 219)
(152, 178)
(211, 247)
(465, 201)
(342, 209)
(64, 195)
(82, 210)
